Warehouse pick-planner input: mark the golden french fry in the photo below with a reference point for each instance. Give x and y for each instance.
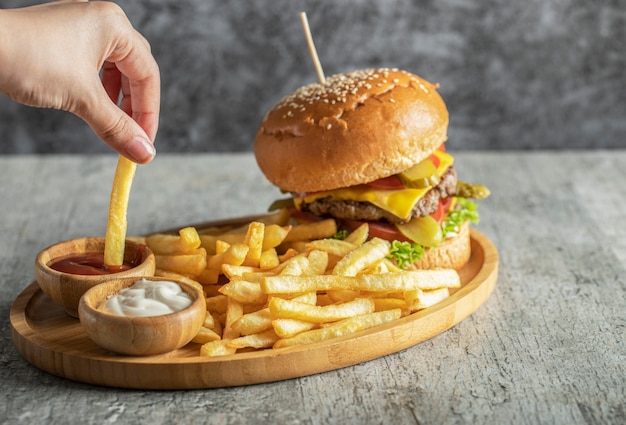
(208, 276)
(254, 323)
(318, 262)
(286, 328)
(301, 264)
(188, 264)
(317, 335)
(383, 294)
(244, 291)
(256, 276)
(269, 259)
(378, 267)
(306, 298)
(234, 311)
(391, 267)
(209, 242)
(401, 281)
(209, 320)
(289, 309)
(418, 299)
(343, 295)
(316, 230)
(232, 272)
(217, 348)
(383, 304)
(115, 237)
(344, 327)
(322, 299)
(362, 257)
(296, 266)
(164, 244)
(254, 240)
(235, 255)
(217, 324)
(217, 304)
(376, 318)
(186, 242)
(298, 246)
(211, 290)
(205, 335)
(359, 235)
(289, 253)
(189, 237)
(221, 246)
(332, 246)
(260, 340)
(274, 235)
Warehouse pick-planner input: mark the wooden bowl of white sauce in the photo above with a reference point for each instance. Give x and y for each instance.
(142, 316)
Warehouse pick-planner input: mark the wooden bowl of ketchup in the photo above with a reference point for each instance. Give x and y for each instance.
(66, 270)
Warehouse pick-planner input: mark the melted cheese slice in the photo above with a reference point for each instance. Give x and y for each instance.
(445, 161)
(399, 202)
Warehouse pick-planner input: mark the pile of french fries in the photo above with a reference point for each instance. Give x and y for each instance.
(274, 283)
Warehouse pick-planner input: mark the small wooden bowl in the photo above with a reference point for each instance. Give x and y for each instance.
(66, 288)
(140, 336)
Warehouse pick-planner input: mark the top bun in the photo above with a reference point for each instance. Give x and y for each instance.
(353, 129)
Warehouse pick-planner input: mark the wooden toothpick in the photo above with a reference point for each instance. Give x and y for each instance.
(309, 40)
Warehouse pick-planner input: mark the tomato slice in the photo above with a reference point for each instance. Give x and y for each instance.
(435, 160)
(439, 214)
(303, 216)
(386, 183)
(446, 203)
(442, 210)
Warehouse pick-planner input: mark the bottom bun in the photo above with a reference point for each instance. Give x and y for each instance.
(453, 253)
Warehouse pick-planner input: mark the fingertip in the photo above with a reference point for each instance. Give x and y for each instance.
(140, 150)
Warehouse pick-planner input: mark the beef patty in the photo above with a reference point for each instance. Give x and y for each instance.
(353, 210)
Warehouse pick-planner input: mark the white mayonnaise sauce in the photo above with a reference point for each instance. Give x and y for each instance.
(148, 298)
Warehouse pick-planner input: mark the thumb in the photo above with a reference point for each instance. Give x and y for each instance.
(117, 129)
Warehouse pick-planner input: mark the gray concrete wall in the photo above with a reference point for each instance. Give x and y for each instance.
(515, 74)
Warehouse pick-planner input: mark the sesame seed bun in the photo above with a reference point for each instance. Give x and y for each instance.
(353, 129)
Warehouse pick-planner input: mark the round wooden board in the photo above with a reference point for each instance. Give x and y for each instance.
(56, 343)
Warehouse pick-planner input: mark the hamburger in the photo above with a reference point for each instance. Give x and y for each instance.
(369, 146)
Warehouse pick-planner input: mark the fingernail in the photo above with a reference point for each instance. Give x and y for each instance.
(140, 150)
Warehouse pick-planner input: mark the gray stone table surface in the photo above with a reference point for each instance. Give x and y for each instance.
(546, 347)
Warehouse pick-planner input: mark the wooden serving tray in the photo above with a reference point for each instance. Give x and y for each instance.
(56, 343)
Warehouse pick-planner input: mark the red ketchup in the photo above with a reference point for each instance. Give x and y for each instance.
(92, 263)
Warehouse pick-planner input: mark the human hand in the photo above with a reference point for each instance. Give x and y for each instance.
(51, 56)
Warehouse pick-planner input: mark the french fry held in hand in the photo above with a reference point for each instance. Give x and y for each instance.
(278, 284)
(115, 237)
